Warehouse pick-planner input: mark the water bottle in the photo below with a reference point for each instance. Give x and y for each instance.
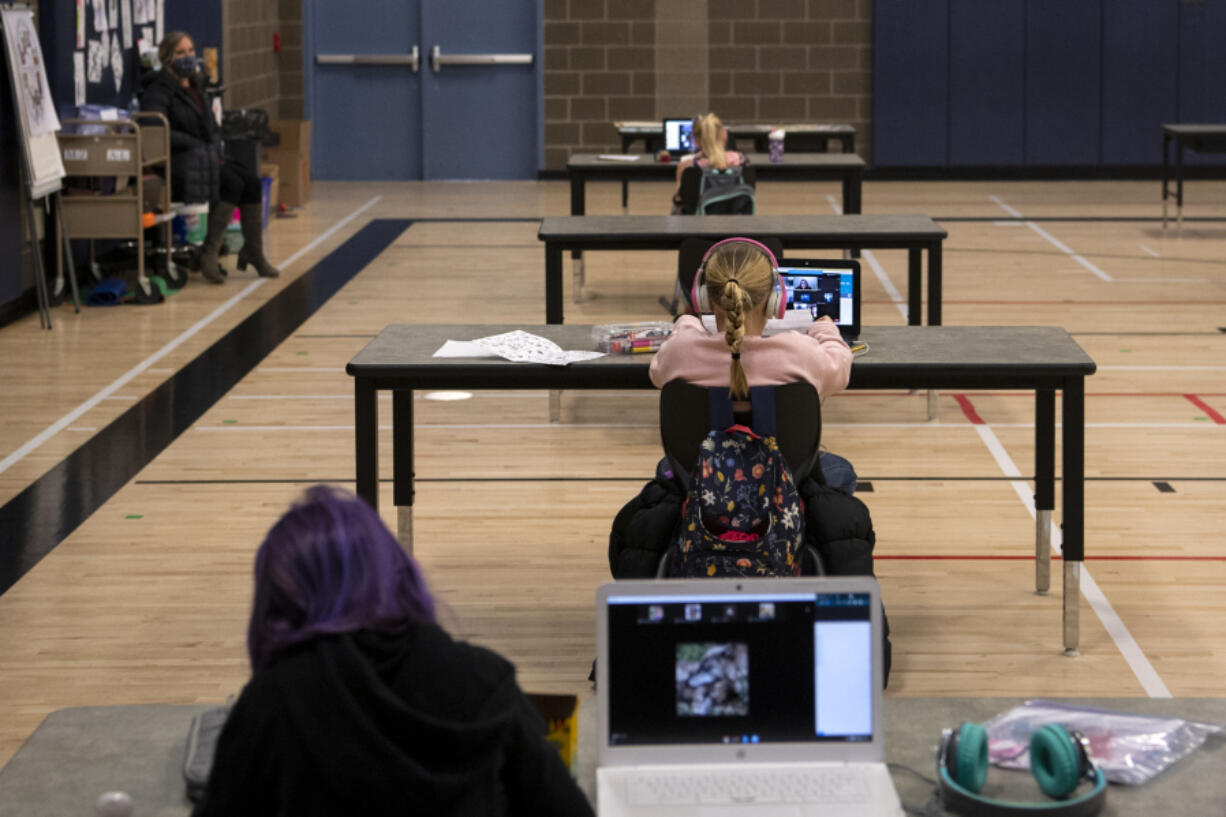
(775, 139)
(133, 107)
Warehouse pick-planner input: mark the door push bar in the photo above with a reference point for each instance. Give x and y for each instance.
(437, 58)
(412, 59)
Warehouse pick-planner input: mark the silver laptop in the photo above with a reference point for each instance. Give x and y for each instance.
(741, 697)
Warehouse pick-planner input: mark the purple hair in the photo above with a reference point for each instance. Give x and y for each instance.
(330, 565)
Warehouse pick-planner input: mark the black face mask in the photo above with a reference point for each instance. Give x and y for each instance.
(185, 66)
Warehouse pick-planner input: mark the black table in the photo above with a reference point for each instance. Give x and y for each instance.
(1040, 359)
(76, 754)
(806, 136)
(1198, 138)
(914, 233)
(795, 167)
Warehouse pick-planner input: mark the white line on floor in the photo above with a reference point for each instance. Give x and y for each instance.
(886, 283)
(62, 423)
(1151, 252)
(1151, 682)
(1081, 260)
(1055, 242)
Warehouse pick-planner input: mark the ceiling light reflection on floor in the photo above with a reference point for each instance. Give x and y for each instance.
(448, 395)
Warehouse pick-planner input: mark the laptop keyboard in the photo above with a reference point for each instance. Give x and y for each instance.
(831, 785)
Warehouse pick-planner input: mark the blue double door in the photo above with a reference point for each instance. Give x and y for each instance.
(423, 89)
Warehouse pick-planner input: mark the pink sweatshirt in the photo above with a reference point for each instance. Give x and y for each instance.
(693, 354)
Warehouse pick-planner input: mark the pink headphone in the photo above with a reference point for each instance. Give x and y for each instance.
(776, 302)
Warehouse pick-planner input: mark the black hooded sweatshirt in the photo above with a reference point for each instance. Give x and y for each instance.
(374, 724)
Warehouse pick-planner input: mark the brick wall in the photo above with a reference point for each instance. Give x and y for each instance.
(250, 68)
(290, 59)
(768, 61)
(599, 67)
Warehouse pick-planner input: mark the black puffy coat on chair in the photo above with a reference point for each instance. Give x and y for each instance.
(195, 138)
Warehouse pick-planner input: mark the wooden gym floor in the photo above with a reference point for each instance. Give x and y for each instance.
(146, 599)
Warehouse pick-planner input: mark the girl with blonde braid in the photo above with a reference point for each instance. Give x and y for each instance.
(737, 281)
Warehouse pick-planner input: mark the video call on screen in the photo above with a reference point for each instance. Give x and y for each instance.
(740, 671)
(822, 293)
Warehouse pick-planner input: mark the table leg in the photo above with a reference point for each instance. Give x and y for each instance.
(849, 143)
(934, 404)
(934, 283)
(1073, 506)
(403, 488)
(914, 282)
(366, 439)
(577, 277)
(1044, 485)
(578, 194)
(1072, 608)
(1179, 187)
(553, 283)
(1166, 174)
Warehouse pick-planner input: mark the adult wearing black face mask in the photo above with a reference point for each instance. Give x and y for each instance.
(199, 173)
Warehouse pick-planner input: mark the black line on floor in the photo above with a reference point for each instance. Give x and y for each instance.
(35, 521)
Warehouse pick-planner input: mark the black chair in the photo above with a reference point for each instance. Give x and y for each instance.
(689, 255)
(685, 422)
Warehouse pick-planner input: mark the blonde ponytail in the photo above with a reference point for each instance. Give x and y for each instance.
(710, 141)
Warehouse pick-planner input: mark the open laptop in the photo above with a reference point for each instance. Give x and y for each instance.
(741, 697)
(819, 287)
(679, 136)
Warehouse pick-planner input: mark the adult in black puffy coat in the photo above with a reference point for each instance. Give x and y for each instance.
(199, 173)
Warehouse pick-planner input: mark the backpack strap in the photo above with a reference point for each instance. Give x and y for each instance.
(762, 403)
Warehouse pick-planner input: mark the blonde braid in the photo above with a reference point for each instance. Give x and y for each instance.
(734, 301)
(739, 278)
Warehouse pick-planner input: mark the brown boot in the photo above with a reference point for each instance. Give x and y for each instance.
(219, 217)
(252, 218)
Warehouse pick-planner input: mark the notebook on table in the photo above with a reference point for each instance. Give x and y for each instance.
(756, 697)
(679, 136)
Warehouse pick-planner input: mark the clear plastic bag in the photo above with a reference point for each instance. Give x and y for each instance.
(631, 338)
(1128, 748)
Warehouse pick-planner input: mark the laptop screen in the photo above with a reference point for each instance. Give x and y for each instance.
(739, 668)
(679, 135)
(822, 290)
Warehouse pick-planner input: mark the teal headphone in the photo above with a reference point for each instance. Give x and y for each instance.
(1059, 760)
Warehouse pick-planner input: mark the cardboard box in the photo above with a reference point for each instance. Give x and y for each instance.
(293, 176)
(295, 136)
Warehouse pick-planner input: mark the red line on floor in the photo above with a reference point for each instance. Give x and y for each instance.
(1203, 406)
(969, 410)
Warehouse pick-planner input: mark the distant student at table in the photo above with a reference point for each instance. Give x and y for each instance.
(712, 139)
(359, 703)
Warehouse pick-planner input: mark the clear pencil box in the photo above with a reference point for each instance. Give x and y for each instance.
(631, 338)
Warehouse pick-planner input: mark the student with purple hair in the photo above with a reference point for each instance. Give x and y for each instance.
(359, 703)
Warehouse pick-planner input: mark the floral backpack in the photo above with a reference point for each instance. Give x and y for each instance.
(742, 516)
